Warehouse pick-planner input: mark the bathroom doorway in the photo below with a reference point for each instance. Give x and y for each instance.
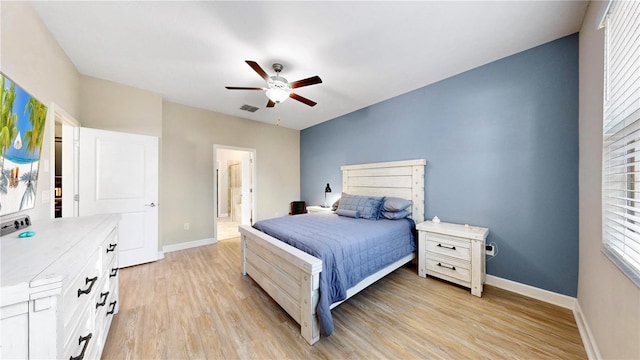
(234, 190)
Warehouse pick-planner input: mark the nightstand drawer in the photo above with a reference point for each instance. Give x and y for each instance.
(450, 268)
(449, 246)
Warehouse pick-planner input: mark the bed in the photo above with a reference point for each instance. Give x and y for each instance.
(292, 277)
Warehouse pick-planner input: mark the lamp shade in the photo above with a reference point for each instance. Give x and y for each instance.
(327, 189)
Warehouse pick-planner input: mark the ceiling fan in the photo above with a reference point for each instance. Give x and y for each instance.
(278, 88)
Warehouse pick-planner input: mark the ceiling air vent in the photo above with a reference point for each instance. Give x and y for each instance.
(248, 108)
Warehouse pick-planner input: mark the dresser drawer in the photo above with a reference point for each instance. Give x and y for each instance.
(451, 268)
(106, 307)
(81, 291)
(82, 337)
(449, 246)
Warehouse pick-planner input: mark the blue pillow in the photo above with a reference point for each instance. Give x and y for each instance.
(368, 206)
(349, 213)
(395, 204)
(395, 215)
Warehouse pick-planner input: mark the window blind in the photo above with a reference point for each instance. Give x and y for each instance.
(621, 138)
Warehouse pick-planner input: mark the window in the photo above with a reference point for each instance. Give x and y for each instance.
(621, 138)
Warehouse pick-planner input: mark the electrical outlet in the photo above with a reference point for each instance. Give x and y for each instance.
(489, 250)
(186, 226)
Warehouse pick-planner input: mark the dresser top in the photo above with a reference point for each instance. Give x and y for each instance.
(464, 231)
(58, 247)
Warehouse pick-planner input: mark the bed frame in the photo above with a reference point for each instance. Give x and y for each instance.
(292, 277)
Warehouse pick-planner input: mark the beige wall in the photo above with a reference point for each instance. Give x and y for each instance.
(609, 301)
(188, 138)
(31, 57)
(111, 106)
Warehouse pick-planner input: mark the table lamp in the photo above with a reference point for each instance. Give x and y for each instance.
(326, 190)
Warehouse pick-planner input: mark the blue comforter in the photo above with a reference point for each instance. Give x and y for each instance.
(350, 250)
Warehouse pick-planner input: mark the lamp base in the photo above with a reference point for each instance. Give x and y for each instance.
(324, 206)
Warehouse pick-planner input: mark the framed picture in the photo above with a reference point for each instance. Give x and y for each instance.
(22, 126)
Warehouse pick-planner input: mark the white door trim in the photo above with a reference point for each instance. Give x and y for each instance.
(55, 115)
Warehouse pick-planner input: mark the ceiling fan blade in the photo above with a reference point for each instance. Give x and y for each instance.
(254, 65)
(242, 88)
(306, 82)
(302, 99)
(271, 104)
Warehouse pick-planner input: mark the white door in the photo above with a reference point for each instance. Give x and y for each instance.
(119, 174)
(247, 190)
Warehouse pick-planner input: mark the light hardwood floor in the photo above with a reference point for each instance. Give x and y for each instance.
(227, 229)
(195, 304)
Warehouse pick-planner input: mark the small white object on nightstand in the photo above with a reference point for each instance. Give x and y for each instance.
(319, 209)
(453, 252)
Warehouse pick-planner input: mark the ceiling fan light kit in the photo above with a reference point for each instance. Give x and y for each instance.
(277, 95)
(278, 88)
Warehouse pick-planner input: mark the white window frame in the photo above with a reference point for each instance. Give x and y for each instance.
(621, 138)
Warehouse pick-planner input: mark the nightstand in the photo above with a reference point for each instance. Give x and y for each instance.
(319, 209)
(453, 252)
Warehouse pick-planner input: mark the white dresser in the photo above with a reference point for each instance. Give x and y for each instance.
(453, 252)
(59, 288)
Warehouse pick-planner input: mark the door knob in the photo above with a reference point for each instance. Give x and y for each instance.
(150, 205)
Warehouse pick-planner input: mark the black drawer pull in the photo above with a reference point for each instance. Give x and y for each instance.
(112, 247)
(113, 307)
(114, 272)
(89, 282)
(447, 247)
(84, 348)
(447, 267)
(104, 296)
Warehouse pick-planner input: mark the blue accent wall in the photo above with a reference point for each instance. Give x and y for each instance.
(501, 144)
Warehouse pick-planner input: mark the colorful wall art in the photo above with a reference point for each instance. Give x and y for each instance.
(22, 126)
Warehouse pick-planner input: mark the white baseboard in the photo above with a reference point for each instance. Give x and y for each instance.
(564, 301)
(187, 245)
(585, 333)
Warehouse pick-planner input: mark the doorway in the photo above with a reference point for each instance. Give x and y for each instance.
(64, 158)
(234, 190)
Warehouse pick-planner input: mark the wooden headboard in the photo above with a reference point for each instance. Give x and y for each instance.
(403, 179)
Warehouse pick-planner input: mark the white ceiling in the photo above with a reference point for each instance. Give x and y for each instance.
(365, 52)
